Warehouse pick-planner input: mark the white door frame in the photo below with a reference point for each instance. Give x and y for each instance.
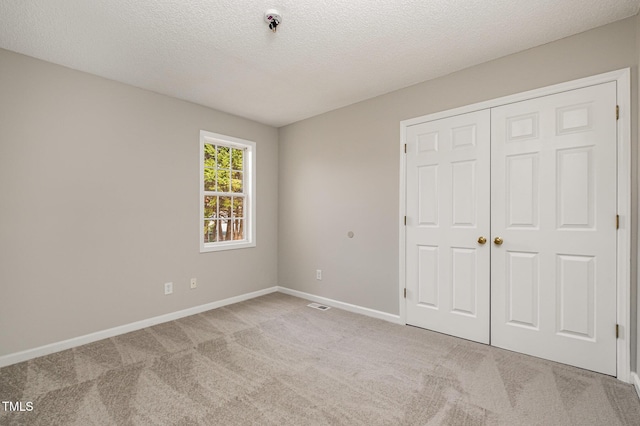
(623, 79)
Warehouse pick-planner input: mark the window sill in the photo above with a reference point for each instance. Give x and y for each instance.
(206, 248)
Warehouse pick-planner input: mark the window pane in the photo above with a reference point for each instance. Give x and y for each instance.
(238, 229)
(223, 157)
(209, 180)
(210, 231)
(238, 207)
(236, 182)
(223, 180)
(209, 155)
(210, 206)
(224, 230)
(225, 207)
(237, 159)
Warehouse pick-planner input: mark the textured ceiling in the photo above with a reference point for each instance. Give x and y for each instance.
(325, 55)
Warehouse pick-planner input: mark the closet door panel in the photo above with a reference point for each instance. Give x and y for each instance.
(448, 200)
(553, 204)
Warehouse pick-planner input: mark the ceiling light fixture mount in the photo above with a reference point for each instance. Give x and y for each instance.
(273, 18)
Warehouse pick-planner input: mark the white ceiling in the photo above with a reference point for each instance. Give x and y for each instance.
(326, 54)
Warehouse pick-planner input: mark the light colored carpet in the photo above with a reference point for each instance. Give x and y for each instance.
(274, 361)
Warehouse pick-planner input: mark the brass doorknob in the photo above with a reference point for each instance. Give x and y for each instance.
(482, 240)
(498, 241)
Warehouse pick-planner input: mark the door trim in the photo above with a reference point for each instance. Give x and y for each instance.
(622, 78)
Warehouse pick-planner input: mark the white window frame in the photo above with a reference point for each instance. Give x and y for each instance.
(249, 170)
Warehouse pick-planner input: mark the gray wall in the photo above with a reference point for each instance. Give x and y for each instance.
(340, 171)
(635, 294)
(99, 205)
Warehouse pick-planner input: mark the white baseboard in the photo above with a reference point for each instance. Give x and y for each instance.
(342, 305)
(636, 382)
(28, 354)
(17, 357)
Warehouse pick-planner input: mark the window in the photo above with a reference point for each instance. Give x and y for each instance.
(227, 185)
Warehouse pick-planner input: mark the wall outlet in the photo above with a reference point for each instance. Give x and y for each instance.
(318, 274)
(194, 283)
(168, 288)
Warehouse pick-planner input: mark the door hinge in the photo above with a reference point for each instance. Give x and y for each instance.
(405, 148)
(405, 221)
(617, 221)
(617, 112)
(405, 292)
(617, 331)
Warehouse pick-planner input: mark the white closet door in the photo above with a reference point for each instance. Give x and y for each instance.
(448, 200)
(553, 279)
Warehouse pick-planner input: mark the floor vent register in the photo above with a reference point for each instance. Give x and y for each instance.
(318, 306)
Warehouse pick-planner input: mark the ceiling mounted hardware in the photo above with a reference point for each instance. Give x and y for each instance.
(273, 18)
